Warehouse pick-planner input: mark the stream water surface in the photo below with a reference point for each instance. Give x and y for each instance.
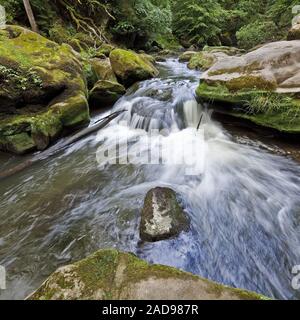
(243, 200)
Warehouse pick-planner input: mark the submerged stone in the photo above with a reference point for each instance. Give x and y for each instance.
(114, 275)
(162, 216)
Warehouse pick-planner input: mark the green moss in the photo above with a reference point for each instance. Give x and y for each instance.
(201, 61)
(42, 89)
(109, 274)
(265, 108)
(131, 67)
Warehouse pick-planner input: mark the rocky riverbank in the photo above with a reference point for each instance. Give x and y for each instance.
(261, 86)
(47, 88)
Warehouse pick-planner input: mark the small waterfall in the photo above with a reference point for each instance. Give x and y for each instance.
(192, 113)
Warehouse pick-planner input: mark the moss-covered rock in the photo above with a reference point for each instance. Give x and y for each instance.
(162, 216)
(202, 61)
(113, 275)
(103, 70)
(130, 67)
(105, 93)
(230, 51)
(105, 49)
(186, 56)
(42, 90)
(262, 86)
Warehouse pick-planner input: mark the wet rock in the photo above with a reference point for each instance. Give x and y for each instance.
(42, 90)
(265, 82)
(162, 216)
(105, 93)
(131, 67)
(114, 275)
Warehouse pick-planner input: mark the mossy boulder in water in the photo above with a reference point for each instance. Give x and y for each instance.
(262, 86)
(131, 67)
(162, 216)
(42, 90)
(113, 275)
(105, 93)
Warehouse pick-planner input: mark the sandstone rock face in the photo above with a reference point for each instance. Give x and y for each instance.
(42, 90)
(265, 80)
(162, 216)
(110, 274)
(130, 67)
(105, 93)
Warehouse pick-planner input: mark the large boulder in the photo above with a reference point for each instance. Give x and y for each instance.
(131, 67)
(262, 86)
(42, 90)
(105, 93)
(162, 216)
(114, 275)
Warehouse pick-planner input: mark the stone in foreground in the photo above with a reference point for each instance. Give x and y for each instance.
(113, 275)
(162, 216)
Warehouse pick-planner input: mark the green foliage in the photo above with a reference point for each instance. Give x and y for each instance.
(21, 79)
(251, 21)
(256, 33)
(199, 23)
(141, 18)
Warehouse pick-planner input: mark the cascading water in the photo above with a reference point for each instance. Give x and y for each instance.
(243, 202)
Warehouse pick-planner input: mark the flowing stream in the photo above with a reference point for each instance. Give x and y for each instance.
(243, 201)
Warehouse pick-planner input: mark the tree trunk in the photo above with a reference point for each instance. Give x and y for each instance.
(30, 15)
